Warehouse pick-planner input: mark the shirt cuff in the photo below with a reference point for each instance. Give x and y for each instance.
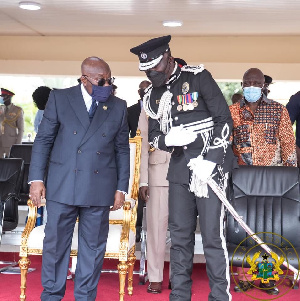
(35, 181)
(122, 191)
(143, 184)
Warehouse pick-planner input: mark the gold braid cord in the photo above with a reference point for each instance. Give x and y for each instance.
(10, 122)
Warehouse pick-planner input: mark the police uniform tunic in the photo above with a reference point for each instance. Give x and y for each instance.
(12, 127)
(197, 103)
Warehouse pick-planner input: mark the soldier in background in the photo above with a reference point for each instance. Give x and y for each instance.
(12, 123)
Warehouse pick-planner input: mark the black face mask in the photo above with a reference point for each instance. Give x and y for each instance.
(158, 78)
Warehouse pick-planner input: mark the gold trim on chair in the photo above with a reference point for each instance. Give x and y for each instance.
(126, 254)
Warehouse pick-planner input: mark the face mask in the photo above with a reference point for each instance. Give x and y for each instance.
(1, 100)
(101, 93)
(157, 78)
(252, 94)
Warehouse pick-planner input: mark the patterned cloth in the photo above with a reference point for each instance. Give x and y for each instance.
(265, 137)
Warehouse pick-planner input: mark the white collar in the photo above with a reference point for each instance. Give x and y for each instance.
(86, 97)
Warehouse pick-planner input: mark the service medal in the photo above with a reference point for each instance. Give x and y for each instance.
(179, 107)
(185, 107)
(190, 106)
(195, 104)
(185, 87)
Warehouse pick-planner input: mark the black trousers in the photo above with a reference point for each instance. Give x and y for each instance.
(183, 209)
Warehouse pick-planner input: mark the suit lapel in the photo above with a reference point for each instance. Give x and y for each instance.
(102, 112)
(78, 105)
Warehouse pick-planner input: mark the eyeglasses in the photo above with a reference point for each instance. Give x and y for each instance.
(101, 81)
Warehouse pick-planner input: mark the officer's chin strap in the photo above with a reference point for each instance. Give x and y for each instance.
(220, 194)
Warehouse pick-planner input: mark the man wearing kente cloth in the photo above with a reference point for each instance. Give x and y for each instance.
(189, 117)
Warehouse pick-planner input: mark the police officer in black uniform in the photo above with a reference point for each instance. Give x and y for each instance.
(189, 117)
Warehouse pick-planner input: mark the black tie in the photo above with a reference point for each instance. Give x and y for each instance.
(93, 109)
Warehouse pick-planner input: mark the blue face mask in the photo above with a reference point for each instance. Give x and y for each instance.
(1, 100)
(101, 93)
(252, 94)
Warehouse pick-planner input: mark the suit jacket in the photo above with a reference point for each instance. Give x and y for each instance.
(88, 162)
(12, 125)
(133, 118)
(154, 164)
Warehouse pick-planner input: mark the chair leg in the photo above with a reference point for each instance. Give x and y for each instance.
(122, 268)
(24, 263)
(131, 262)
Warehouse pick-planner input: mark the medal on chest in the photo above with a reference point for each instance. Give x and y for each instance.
(187, 102)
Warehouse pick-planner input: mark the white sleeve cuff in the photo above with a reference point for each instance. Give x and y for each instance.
(35, 181)
(122, 192)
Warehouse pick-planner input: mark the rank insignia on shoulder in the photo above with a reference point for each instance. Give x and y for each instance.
(104, 108)
(185, 87)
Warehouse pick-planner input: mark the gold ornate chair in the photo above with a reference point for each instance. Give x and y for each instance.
(121, 235)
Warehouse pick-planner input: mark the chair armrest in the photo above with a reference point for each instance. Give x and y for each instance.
(117, 217)
(32, 215)
(124, 239)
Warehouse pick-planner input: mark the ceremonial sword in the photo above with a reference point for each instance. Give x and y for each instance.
(221, 195)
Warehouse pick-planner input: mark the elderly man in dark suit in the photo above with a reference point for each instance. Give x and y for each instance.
(84, 135)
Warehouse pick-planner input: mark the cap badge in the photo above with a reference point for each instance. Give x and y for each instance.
(185, 87)
(143, 55)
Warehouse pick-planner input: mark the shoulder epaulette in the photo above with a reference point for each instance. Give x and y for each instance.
(193, 69)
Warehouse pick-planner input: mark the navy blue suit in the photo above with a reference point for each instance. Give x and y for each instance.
(88, 162)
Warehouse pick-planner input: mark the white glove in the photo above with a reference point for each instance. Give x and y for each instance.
(203, 169)
(179, 136)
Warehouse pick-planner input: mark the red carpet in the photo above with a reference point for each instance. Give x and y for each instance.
(109, 286)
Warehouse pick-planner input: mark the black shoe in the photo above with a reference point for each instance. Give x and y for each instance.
(269, 288)
(243, 286)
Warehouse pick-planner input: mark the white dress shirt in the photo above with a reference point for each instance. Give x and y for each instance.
(86, 97)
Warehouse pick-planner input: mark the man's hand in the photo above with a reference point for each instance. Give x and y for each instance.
(119, 200)
(37, 192)
(144, 193)
(202, 168)
(179, 136)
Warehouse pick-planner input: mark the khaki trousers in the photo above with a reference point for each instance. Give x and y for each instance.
(157, 224)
